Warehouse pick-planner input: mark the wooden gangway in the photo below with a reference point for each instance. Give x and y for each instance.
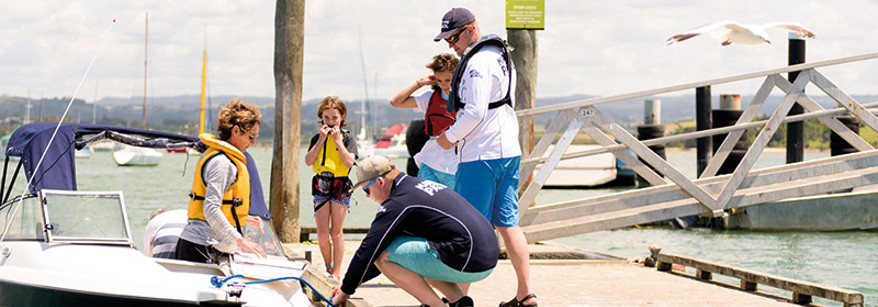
(673, 194)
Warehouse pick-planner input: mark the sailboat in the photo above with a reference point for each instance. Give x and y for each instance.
(365, 147)
(138, 156)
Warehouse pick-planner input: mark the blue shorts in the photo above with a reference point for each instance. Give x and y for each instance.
(415, 254)
(428, 173)
(491, 186)
(320, 199)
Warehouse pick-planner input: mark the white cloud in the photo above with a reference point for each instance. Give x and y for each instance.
(588, 47)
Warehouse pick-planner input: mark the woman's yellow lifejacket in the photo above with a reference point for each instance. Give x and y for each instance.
(328, 158)
(236, 199)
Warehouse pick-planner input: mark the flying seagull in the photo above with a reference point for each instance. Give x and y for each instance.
(733, 32)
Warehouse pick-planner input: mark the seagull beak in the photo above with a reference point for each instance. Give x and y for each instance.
(768, 41)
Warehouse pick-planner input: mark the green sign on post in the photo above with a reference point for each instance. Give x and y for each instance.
(525, 14)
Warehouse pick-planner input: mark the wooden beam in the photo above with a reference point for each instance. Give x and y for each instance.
(762, 140)
(802, 290)
(845, 100)
(655, 160)
(540, 179)
(719, 157)
(675, 88)
(833, 123)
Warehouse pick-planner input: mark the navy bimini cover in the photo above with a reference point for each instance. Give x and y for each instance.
(58, 169)
(257, 198)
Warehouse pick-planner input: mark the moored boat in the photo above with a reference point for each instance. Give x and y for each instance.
(62, 247)
(137, 156)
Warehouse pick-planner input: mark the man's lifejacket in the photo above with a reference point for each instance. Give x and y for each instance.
(438, 118)
(328, 158)
(453, 98)
(236, 199)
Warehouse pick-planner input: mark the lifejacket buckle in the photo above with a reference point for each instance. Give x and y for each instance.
(237, 202)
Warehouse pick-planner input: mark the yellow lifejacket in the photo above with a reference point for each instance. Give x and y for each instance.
(329, 160)
(236, 199)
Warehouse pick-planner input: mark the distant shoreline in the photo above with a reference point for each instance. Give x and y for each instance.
(767, 149)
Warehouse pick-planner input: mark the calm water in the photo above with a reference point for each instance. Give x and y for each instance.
(842, 259)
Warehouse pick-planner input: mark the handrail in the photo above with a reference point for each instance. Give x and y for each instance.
(802, 290)
(700, 134)
(674, 88)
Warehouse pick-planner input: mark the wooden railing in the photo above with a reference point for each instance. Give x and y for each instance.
(709, 194)
(803, 291)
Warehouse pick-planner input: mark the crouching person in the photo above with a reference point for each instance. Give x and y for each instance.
(423, 235)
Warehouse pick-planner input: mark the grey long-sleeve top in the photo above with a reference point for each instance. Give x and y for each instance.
(219, 173)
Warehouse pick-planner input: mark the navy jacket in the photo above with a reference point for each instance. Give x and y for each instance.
(464, 239)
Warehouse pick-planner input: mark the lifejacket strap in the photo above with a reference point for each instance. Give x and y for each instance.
(235, 202)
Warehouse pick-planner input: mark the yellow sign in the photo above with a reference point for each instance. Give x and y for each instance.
(525, 14)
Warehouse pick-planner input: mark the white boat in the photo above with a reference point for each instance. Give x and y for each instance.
(61, 247)
(392, 143)
(104, 146)
(832, 212)
(586, 171)
(137, 156)
(84, 153)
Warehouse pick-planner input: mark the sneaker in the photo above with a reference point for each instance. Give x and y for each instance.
(465, 301)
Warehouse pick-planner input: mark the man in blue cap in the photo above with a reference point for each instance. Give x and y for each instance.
(486, 136)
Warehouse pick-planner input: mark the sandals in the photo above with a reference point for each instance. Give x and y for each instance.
(516, 303)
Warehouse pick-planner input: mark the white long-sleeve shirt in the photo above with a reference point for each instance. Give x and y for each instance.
(482, 133)
(432, 154)
(219, 173)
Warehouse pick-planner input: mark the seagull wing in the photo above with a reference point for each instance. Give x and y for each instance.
(792, 27)
(679, 37)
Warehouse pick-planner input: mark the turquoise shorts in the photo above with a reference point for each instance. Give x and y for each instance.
(491, 186)
(428, 173)
(415, 254)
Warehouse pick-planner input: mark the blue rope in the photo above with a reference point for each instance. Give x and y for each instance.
(216, 282)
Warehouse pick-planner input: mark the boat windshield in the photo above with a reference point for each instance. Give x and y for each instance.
(23, 217)
(265, 236)
(85, 217)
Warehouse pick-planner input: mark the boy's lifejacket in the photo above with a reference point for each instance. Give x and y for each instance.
(328, 158)
(438, 118)
(236, 199)
(454, 102)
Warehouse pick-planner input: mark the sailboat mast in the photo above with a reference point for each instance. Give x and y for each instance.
(145, 61)
(363, 132)
(203, 82)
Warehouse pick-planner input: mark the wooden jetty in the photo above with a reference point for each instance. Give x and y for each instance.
(581, 278)
(615, 283)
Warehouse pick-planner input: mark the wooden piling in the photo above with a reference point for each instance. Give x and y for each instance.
(524, 57)
(289, 41)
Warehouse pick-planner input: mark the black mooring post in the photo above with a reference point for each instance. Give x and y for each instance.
(796, 130)
(702, 122)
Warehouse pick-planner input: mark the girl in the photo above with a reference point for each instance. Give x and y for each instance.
(331, 155)
(435, 163)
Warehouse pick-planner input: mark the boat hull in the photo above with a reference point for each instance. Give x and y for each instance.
(834, 212)
(13, 294)
(136, 156)
(586, 171)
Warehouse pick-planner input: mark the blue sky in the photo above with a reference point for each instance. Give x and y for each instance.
(588, 47)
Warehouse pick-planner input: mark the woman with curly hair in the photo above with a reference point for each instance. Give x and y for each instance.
(220, 199)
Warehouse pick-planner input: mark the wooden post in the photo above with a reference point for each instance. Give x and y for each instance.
(795, 131)
(524, 56)
(289, 41)
(702, 122)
